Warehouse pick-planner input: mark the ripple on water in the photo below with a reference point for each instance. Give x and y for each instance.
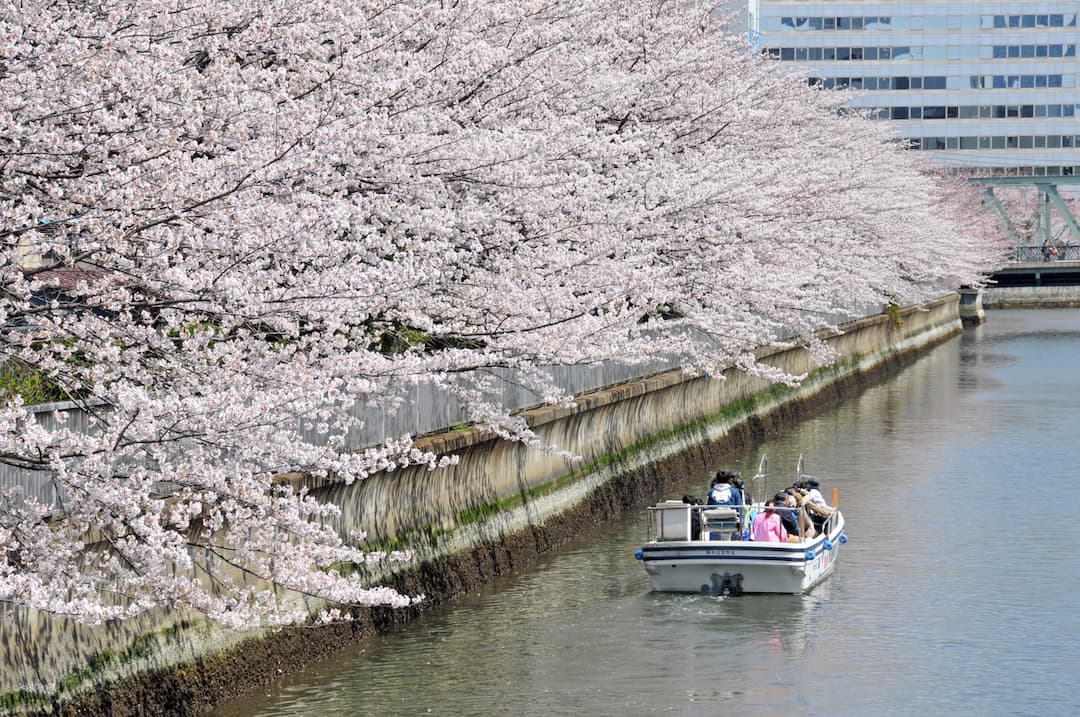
(954, 595)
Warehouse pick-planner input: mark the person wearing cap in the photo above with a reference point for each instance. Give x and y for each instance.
(814, 494)
(815, 504)
(767, 526)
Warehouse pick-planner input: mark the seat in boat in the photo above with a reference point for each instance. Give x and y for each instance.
(719, 523)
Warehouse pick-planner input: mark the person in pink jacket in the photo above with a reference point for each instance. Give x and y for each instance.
(767, 526)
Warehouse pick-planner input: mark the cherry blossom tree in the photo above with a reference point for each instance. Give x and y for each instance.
(267, 212)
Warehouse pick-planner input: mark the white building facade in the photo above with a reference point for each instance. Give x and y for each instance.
(991, 86)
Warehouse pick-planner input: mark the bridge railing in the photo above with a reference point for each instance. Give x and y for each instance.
(1065, 252)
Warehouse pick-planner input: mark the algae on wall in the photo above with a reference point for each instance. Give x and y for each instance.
(499, 490)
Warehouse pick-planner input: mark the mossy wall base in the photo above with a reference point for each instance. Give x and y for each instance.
(497, 511)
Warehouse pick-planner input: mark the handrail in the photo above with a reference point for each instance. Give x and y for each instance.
(736, 506)
(1047, 254)
(657, 527)
(760, 479)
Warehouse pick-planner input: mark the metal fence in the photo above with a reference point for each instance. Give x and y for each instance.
(427, 408)
(32, 482)
(1058, 252)
(424, 408)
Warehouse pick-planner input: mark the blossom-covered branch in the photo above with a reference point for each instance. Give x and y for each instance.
(273, 211)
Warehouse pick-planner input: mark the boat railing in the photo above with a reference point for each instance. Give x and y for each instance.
(677, 520)
(759, 483)
(829, 525)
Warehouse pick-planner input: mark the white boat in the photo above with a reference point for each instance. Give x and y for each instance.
(721, 559)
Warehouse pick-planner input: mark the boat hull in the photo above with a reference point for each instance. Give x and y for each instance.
(734, 567)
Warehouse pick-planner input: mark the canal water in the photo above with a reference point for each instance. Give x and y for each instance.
(956, 594)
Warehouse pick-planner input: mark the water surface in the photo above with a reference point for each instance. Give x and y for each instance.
(955, 595)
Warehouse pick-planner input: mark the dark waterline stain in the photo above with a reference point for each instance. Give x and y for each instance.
(949, 598)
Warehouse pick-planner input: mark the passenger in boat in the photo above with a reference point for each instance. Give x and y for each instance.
(767, 526)
(816, 507)
(813, 486)
(737, 482)
(790, 518)
(806, 518)
(695, 515)
(744, 507)
(725, 491)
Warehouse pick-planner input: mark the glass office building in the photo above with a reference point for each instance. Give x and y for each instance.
(986, 85)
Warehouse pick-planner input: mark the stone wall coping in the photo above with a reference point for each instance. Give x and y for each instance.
(447, 442)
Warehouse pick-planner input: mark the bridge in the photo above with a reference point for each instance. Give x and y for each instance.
(1033, 284)
(1041, 273)
(1048, 199)
(1046, 267)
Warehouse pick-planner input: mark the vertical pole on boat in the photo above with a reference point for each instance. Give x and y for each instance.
(835, 497)
(759, 483)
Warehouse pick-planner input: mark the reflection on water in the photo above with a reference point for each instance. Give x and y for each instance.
(956, 478)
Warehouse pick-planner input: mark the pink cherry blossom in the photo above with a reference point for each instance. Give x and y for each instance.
(262, 213)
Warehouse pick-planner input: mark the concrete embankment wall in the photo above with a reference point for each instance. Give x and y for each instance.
(612, 430)
(498, 509)
(1031, 297)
